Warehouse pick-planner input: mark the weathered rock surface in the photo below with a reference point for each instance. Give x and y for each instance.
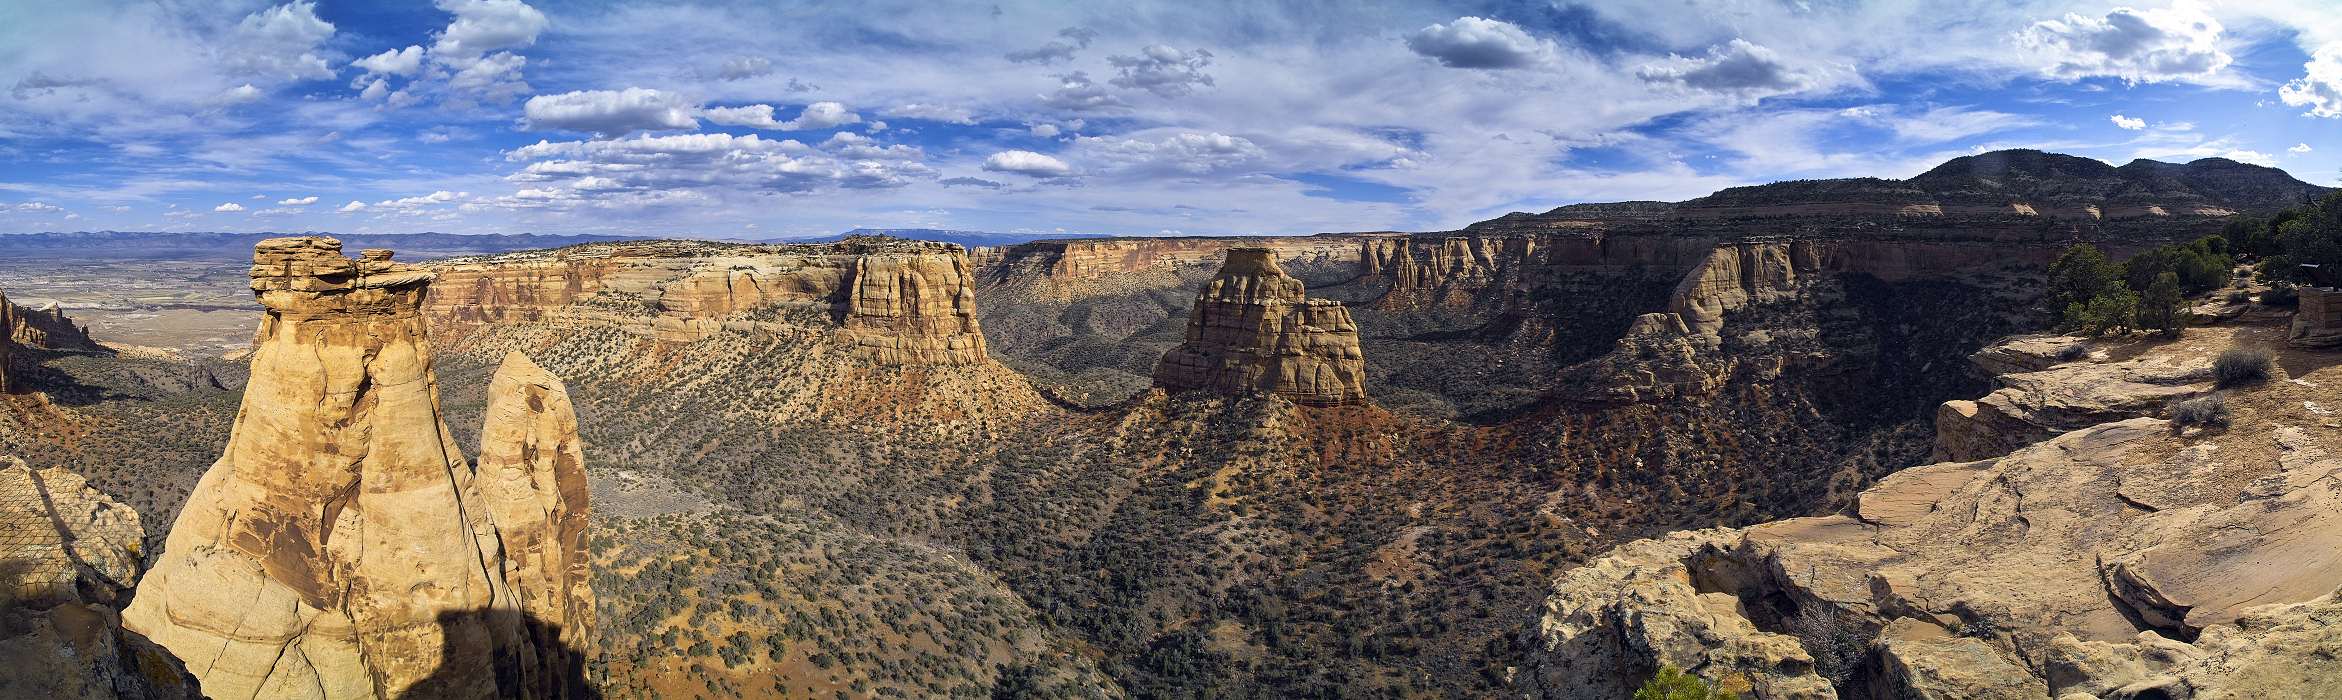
(892, 301)
(2037, 404)
(532, 477)
(68, 555)
(7, 320)
(46, 326)
(342, 546)
(2106, 561)
(1253, 330)
(2317, 322)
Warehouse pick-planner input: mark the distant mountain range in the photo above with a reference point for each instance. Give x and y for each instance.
(971, 239)
(2143, 197)
(149, 245)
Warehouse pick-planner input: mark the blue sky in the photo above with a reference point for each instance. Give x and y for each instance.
(758, 119)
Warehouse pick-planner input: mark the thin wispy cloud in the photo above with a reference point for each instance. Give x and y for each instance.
(730, 117)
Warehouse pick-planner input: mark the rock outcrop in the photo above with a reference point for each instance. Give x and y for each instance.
(342, 546)
(891, 301)
(2317, 322)
(2034, 405)
(68, 557)
(47, 326)
(1253, 330)
(7, 320)
(2122, 560)
(532, 477)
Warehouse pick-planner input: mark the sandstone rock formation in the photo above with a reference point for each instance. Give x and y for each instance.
(2317, 323)
(342, 546)
(7, 320)
(891, 301)
(533, 482)
(1253, 330)
(2035, 405)
(47, 327)
(2122, 560)
(68, 556)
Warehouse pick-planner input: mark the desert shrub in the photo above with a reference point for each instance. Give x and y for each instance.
(2281, 295)
(2073, 352)
(2201, 265)
(2079, 275)
(2104, 314)
(2163, 307)
(2206, 410)
(1837, 641)
(2242, 365)
(2239, 296)
(1671, 683)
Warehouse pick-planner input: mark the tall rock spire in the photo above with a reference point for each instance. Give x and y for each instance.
(342, 546)
(1253, 330)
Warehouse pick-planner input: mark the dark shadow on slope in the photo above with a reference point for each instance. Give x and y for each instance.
(503, 654)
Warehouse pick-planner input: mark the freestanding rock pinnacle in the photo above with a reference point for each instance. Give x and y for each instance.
(342, 547)
(1254, 331)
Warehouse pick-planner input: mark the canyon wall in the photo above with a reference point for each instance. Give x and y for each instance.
(7, 320)
(892, 301)
(1252, 330)
(342, 546)
(2133, 558)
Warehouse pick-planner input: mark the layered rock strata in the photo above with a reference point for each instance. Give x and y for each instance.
(68, 557)
(342, 547)
(1253, 330)
(2122, 560)
(2061, 395)
(892, 301)
(2317, 322)
(7, 320)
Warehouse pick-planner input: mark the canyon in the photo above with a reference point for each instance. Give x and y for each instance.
(1342, 464)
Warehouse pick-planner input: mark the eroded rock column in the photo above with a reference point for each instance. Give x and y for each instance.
(342, 547)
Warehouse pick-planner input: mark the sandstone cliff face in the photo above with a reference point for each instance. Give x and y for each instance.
(532, 481)
(894, 302)
(7, 320)
(1253, 330)
(2121, 560)
(342, 546)
(46, 327)
(68, 555)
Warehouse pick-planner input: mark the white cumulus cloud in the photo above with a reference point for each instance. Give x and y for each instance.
(298, 201)
(819, 115)
(228, 207)
(354, 205)
(1027, 163)
(1476, 42)
(2180, 42)
(404, 61)
(2320, 86)
(1736, 66)
(608, 111)
(2129, 123)
(2299, 148)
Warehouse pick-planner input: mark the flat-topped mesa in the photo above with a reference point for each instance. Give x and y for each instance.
(1253, 331)
(888, 300)
(913, 307)
(342, 546)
